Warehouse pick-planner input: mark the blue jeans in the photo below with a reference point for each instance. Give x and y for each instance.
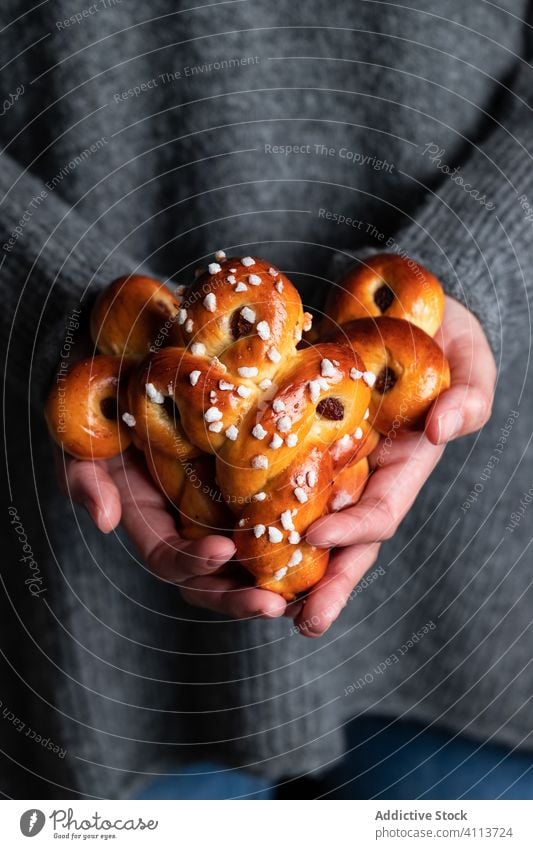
(405, 760)
(207, 781)
(384, 760)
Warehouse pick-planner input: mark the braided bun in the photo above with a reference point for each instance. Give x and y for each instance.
(348, 485)
(157, 404)
(131, 313)
(246, 313)
(268, 536)
(240, 389)
(282, 463)
(409, 367)
(304, 408)
(83, 409)
(391, 285)
(191, 488)
(240, 428)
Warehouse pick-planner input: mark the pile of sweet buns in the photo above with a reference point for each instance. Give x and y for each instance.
(251, 421)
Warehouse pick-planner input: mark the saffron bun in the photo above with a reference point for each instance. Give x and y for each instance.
(355, 446)
(281, 462)
(158, 405)
(348, 485)
(87, 411)
(191, 488)
(409, 368)
(244, 312)
(83, 409)
(132, 315)
(245, 431)
(238, 388)
(386, 284)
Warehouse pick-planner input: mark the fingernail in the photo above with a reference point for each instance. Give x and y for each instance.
(261, 614)
(449, 425)
(104, 520)
(271, 614)
(311, 632)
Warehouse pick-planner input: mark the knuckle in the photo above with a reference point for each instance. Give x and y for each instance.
(372, 554)
(162, 561)
(351, 524)
(390, 524)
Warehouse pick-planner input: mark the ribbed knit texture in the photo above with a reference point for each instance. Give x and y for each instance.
(109, 663)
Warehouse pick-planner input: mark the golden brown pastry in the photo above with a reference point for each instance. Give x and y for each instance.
(409, 367)
(83, 409)
(386, 284)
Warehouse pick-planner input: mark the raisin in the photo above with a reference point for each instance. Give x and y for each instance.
(383, 297)
(385, 380)
(331, 408)
(239, 325)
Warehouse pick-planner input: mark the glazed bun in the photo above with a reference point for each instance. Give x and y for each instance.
(244, 430)
(387, 285)
(132, 314)
(408, 367)
(281, 462)
(348, 485)
(239, 388)
(191, 488)
(84, 409)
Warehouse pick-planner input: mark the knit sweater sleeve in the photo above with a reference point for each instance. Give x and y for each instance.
(51, 262)
(475, 230)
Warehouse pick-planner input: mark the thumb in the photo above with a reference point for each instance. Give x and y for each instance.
(460, 410)
(466, 406)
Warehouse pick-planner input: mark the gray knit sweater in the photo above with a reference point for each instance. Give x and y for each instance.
(150, 135)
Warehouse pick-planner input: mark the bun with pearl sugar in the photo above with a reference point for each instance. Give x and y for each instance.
(244, 427)
(237, 387)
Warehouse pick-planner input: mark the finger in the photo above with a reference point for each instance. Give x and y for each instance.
(461, 410)
(332, 593)
(467, 405)
(90, 484)
(168, 556)
(153, 531)
(388, 496)
(225, 595)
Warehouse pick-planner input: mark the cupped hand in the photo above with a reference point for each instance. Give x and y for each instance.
(400, 466)
(121, 491)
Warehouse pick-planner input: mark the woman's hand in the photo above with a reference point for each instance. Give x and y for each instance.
(121, 491)
(400, 466)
